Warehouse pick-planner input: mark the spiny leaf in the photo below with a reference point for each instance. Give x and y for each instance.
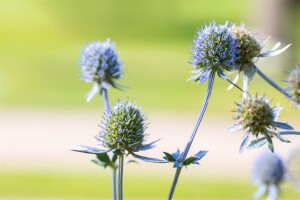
(169, 157)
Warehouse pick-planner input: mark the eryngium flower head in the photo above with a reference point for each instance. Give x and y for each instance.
(249, 47)
(294, 167)
(268, 169)
(256, 115)
(100, 64)
(293, 83)
(123, 128)
(214, 49)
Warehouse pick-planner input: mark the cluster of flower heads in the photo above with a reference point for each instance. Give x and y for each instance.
(268, 172)
(100, 64)
(258, 120)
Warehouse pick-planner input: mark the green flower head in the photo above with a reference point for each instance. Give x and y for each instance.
(123, 128)
(293, 83)
(249, 47)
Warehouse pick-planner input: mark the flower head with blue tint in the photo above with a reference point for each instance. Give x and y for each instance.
(123, 131)
(100, 64)
(256, 117)
(293, 85)
(249, 46)
(268, 172)
(215, 49)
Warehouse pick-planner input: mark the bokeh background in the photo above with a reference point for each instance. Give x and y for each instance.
(43, 112)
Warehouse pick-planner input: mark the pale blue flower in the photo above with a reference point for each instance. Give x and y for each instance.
(214, 50)
(268, 172)
(100, 64)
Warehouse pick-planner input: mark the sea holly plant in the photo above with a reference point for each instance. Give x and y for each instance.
(215, 50)
(249, 51)
(100, 65)
(259, 120)
(123, 133)
(268, 173)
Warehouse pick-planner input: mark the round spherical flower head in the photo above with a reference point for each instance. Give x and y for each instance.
(268, 169)
(256, 115)
(249, 47)
(294, 166)
(293, 83)
(100, 64)
(215, 48)
(123, 128)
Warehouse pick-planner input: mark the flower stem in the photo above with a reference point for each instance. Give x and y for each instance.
(245, 86)
(114, 170)
(273, 84)
(120, 179)
(188, 145)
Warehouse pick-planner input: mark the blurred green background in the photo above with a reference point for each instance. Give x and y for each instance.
(40, 48)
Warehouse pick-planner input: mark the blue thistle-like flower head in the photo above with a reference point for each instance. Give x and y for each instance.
(249, 46)
(293, 85)
(124, 128)
(268, 169)
(214, 49)
(100, 64)
(256, 117)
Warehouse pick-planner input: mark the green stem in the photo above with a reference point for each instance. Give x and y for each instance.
(120, 180)
(114, 170)
(114, 183)
(273, 83)
(189, 144)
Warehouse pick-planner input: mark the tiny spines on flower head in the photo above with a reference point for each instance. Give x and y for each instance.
(293, 85)
(256, 117)
(124, 128)
(249, 46)
(214, 49)
(100, 64)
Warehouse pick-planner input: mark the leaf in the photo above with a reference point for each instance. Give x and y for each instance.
(200, 154)
(270, 143)
(90, 150)
(250, 71)
(274, 53)
(257, 143)
(276, 46)
(148, 146)
(176, 155)
(272, 191)
(148, 159)
(92, 92)
(114, 158)
(283, 139)
(169, 157)
(189, 160)
(245, 143)
(103, 157)
(260, 192)
(234, 81)
(289, 132)
(283, 125)
(235, 127)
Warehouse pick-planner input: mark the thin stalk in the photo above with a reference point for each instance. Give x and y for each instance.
(120, 179)
(114, 170)
(188, 145)
(274, 84)
(245, 86)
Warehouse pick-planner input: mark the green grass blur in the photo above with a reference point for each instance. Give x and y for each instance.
(40, 49)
